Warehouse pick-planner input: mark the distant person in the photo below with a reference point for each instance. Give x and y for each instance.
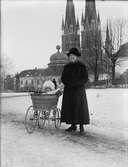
(74, 104)
(55, 83)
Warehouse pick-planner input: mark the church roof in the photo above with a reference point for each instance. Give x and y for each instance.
(31, 72)
(37, 72)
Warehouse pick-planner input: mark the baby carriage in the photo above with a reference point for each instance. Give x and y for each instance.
(42, 111)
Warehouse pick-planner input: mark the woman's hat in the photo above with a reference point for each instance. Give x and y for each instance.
(74, 51)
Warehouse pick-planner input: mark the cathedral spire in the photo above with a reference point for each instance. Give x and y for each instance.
(70, 18)
(71, 34)
(98, 18)
(107, 34)
(62, 25)
(99, 22)
(82, 19)
(90, 11)
(78, 23)
(108, 42)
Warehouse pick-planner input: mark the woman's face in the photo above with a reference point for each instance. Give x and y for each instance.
(72, 58)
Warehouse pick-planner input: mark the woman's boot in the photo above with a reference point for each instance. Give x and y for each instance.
(71, 128)
(81, 128)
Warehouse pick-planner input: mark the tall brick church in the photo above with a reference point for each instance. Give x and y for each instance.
(89, 39)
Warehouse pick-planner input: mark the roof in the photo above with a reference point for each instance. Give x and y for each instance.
(58, 58)
(38, 72)
(123, 51)
(31, 72)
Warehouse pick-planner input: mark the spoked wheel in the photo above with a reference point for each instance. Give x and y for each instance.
(31, 119)
(57, 115)
(44, 121)
(42, 117)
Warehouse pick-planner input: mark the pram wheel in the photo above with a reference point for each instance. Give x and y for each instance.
(42, 118)
(31, 119)
(57, 115)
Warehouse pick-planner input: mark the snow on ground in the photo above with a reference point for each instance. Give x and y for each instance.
(13, 94)
(109, 107)
(105, 143)
(51, 148)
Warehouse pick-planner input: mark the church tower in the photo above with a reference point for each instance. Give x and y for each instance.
(108, 48)
(70, 28)
(90, 32)
(108, 41)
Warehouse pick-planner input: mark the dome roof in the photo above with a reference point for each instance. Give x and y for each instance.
(58, 57)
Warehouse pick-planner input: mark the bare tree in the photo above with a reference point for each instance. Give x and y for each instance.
(116, 32)
(6, 67)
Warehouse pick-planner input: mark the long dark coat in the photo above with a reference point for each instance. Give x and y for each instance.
(74, 104)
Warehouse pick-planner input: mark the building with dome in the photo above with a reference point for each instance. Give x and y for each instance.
(57, 61)
(33, 79)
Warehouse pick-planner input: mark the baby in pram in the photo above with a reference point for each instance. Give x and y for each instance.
(49, 88)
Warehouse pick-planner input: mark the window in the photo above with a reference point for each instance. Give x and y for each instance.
(26, 82)
(38, 82)
(32, 82)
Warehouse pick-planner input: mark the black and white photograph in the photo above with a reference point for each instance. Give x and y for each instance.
(64, 83)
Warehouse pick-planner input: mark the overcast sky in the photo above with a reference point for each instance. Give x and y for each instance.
(31, 29)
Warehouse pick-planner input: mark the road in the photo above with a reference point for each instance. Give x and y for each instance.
(99, 146)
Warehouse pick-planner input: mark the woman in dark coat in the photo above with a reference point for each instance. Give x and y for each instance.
(74, 105)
